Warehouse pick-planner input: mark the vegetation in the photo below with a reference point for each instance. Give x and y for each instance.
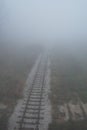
(15, 65)
(68, 81)
(69, 126)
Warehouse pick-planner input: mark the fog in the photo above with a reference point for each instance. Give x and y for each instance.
(43, 21)
(27, 29)
(62, 24)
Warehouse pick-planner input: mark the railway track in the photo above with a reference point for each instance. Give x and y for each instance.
(32, 110)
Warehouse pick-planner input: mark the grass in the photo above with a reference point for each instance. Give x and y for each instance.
(80, 125)
(68, 77)
(15, 65)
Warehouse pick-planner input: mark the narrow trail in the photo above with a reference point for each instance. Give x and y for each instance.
(33, 112)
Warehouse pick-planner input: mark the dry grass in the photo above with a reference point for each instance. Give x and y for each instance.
(15, 65)
(67, 78)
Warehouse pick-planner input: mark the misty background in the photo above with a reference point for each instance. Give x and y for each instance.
(53, 24)
(26, 27)
(35, 24)
(43, 21)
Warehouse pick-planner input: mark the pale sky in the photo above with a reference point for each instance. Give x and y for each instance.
(44, 19)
